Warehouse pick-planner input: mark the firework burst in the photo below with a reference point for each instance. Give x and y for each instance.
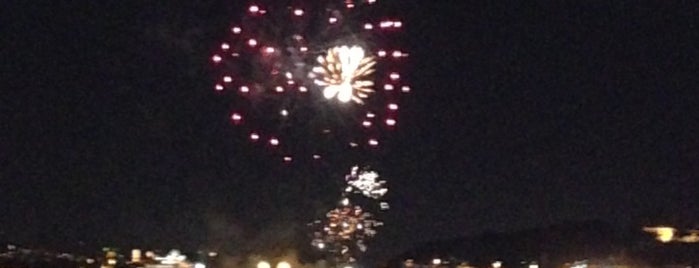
(345, 229)
(344, 73)
(312, 78)
(365, 182)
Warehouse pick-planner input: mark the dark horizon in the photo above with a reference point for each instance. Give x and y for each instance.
(521, 115)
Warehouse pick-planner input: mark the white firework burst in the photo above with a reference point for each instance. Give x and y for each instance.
(344, 74)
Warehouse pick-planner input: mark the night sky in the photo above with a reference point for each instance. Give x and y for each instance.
(521, 115)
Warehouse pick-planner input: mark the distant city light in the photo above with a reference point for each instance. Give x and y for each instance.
(283, 264)
(662, 233)
(666, 234)
(135, 255)
(496, 264)
(263, 264)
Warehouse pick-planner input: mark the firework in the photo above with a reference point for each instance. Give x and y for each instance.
(346, 228)
(345, 73)
(312, 78)
(366, 182)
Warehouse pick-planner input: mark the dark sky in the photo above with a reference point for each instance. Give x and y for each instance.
(522, 115)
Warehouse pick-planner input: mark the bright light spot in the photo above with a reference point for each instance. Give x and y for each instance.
(236, 30)
(236, 117)
(436, 261)
(342, 71)
(345, 202)
(244, 89)
(332, 20)
(371, 1)
(389, 24)
(269, 50)
(384, 206)
(288, 75)
(390, 122)
(111, 261)
(405, 89)
(381, 53)
(373, 142)
(216, 58)
(321, 245)
(286, 159)
(298, 12)
(225, 46)
(398, 54)
(386, 24)
(533, 265)
(279, 89)
(662, 233)
(227, 79)
(90, 261)
(219, 87)
(199, 265)
(303, 89)
(579, 264)
(274, 141)
(388, 87)
(254, 9)
(283, 264)
(393, 106)
(394, 76)
(254, 136)
(496, 264)
(370, 115)
(284, 112)
(353, 144)
(252, 42)
(263, 264)
(303, 49)
(368, 26)
(366, 123)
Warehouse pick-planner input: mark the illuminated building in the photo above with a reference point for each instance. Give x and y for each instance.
(136, 256)
(110, 258)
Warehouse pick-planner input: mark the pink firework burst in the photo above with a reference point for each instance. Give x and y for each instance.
(310, 78)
